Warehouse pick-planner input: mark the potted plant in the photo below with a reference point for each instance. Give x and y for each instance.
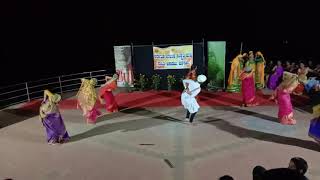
(211, 86)
(142, 82)
(128, 87)
(156, 81)
(171, 81)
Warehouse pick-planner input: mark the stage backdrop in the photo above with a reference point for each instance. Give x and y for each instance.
(216, 62)
(123, 63)
(173, 57)
(143, 64)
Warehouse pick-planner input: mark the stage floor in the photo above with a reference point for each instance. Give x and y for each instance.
(134, 145)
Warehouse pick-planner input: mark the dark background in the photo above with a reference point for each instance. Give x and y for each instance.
(42, 38)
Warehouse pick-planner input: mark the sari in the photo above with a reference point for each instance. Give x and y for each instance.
(311, 84)
(275, 78)
(52, 120)
(248, 88)
(285, 114)
(87, 100)
(303, 79)
(314, 129)
(106, 93)
(259, 75)
(233, 80)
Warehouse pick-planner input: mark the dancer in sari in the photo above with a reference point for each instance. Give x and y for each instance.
(188, 97)
(233, 80)
(275, 78)
(52, 119)
(303, 79)
(311, 84)
(283, 99)
(268, 70)
(248, 87)
(106, 96)
(87, 100)
(314, 130)
(251, 62)
(259, 73)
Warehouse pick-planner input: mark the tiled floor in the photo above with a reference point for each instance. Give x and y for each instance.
(226, 140)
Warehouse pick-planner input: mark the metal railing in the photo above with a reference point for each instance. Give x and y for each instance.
(24, 92)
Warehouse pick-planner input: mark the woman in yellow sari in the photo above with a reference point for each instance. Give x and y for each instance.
(87, 99)
(233, 80)
(260, 65)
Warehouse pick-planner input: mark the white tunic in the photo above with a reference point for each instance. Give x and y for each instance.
(189, 101)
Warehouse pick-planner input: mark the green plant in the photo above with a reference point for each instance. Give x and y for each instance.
(142, 82)
(171, 81)
(127, 86)
(211, 86)
(156, 81)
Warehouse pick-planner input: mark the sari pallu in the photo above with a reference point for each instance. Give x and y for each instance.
(53, 122)
(106, 93)
(248, 89)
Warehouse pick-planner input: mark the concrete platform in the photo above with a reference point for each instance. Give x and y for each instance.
(226, 140)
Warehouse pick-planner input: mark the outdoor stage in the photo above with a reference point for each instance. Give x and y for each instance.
(148, 140)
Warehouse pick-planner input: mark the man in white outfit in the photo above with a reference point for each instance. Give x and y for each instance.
(188, 97)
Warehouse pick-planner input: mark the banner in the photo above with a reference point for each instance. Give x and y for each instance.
(216, 63)
(122, 56)
(173, 57)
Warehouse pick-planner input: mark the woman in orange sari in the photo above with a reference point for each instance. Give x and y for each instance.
(105, 93)
(260, 65)
(248, 87)
(233, 80)
(302, 76)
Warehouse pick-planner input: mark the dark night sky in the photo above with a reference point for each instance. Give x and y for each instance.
(78, 37)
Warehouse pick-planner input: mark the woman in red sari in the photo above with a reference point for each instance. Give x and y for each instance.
(105, 93)
(248, 87)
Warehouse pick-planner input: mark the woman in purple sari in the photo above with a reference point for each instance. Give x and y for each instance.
(274, 79)
(314, 130)
(52, 120)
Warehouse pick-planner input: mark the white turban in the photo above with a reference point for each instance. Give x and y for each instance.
(201, 78)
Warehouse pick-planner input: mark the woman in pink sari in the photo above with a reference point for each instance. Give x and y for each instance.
(87, 100)
(248, 87)
(105, 94)
(282, 98)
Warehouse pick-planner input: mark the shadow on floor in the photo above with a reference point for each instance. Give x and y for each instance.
(131, 125)
(247, 133)
(247, 112)
(12, 116)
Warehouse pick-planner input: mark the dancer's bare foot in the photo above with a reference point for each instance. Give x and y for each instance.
(52, 143)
